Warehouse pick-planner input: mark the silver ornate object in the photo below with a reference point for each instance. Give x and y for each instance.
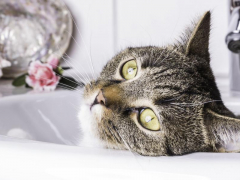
(32, 30)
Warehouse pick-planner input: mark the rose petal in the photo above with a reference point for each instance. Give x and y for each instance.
(42, 77)
(53, 62)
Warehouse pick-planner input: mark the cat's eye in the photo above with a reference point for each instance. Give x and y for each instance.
(129, 70)
(149, 120)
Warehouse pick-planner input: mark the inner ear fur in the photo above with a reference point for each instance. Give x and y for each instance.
(198, 42)
(223, 131)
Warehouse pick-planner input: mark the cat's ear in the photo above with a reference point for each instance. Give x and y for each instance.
(223, 131)
(195, 40)
(198, 42)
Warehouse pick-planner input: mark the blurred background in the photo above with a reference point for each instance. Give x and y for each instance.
(108, 26)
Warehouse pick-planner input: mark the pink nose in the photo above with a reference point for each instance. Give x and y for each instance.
(100, 99)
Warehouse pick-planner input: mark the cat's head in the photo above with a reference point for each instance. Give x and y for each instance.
(157, 100)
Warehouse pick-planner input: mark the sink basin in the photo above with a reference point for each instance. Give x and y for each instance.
(52, 117)
(49, 117)
(231, 100)
(28, 159)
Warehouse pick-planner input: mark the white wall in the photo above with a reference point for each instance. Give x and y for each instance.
(108, 26)
(93, 35)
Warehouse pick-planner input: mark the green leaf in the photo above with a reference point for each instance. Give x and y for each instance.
(27, 86)
(59, 70)
(69, 83)
(19, 81)
(66, 68)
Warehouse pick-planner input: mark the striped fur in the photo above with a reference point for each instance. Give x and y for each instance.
(175, 81)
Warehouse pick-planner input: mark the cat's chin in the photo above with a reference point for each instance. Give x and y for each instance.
(88, 126)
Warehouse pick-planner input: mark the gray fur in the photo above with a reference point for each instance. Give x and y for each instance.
(178, 81)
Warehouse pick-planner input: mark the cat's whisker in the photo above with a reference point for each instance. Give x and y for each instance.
(86, 77)
(172, 99)
(106, 140)
(78, 84)
(114, 136)
(65, 86)
(74, 106)
(69, 87)
(75, 82)
(118, 142)
(126, 144)
(58, 66)
(84, 43)
(91, 66)
(82, 79)
(195, 104)
(117, 134)
(180, 107)
(94, 73)
(77, 92)
(65, 60)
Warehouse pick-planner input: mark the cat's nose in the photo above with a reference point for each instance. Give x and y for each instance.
(109, 97)
(100, 99)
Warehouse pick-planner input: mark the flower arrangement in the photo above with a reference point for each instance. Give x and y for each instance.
(45, 76)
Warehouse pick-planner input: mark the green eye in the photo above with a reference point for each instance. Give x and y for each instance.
(149, 120)
(129, 69)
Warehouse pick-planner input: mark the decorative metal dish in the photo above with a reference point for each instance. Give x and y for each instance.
(33, 30)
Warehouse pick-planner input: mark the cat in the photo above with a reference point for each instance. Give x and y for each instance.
(161, 101)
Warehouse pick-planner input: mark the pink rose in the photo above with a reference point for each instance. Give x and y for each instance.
(53, 62)
(42, 77)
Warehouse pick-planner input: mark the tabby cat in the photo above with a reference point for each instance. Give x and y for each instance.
(159, 101)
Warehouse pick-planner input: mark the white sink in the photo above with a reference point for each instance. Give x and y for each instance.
(27, 160)
(232, 101)
(52, 117)
(49, 117)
